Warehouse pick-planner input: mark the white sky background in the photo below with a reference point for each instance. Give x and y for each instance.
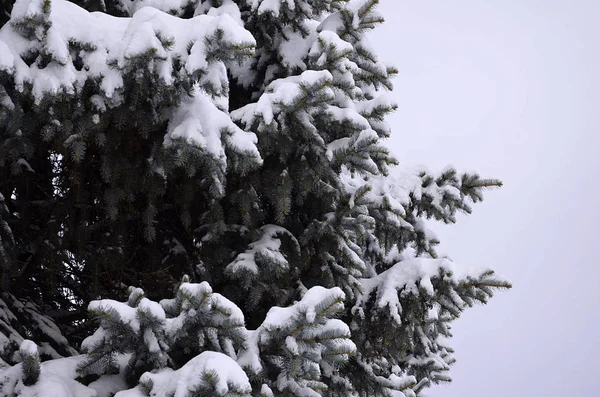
(511, 89)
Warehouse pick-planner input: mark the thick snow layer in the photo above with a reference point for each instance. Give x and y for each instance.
(126, 313)
(330, 38)
(250, 357)
(267, 246)
(231, 378)
(108, 385)
(28, 348)
(177, 7)
(57, 379)
(229, 372)
(153, 308)
(227, 7)
(294, 50)
(394, 189)
(193, 289)
(164, 5)
(198, 121)
(412, 276)
(271, 6)
(306, 330)
(199, 300)
(54, 386)
(278, 317)
(282, 93)
(333, 23)
(112, 39)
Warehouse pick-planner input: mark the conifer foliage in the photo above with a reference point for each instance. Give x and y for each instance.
(221, 163)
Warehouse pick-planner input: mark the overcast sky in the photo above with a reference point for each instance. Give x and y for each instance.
(511, 89)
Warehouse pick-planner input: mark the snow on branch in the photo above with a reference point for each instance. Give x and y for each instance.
(304, 342)
(264, 250)
(454, 287)
(45, 57)
(292, 92)
(208, 374)
(199, 122)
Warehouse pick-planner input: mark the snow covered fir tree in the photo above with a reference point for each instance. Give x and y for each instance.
(196, 200)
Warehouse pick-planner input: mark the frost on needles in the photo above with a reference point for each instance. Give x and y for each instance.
(222, 164)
